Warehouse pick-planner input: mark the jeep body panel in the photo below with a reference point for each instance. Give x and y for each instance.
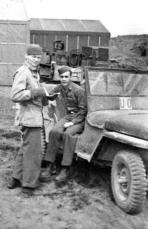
(95, 130)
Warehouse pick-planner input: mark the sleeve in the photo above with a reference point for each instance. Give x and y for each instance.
(50, 90)
(82, 106)
(19, 93)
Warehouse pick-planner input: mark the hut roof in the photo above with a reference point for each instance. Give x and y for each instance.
(67, 25)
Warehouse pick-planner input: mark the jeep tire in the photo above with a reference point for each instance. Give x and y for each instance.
(128, 181)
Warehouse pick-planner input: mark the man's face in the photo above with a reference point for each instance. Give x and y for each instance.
(35, 59)
(65, 78)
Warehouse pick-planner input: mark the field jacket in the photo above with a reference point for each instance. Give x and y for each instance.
(71, 102)
(29, 111)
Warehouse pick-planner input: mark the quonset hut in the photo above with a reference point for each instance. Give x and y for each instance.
(74, 33)
(65, 39)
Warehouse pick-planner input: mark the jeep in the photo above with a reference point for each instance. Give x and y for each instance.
(116, 131)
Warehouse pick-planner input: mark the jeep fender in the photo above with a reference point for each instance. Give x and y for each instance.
(88, 142)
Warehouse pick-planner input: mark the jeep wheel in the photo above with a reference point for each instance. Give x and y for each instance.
(128, 180)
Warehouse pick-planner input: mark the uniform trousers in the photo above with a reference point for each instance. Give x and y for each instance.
(27, 166)
(67, 137)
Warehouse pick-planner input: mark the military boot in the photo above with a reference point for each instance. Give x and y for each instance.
(63, 175)
(48, 173)
(27, 191)
(14, 183)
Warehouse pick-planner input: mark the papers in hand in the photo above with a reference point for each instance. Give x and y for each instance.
(53, 96)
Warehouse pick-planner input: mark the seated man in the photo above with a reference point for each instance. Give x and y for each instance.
(72, 98)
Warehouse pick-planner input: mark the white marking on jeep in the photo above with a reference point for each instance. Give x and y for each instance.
(125, 103)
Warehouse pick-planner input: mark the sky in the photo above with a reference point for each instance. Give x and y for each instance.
(120, 17)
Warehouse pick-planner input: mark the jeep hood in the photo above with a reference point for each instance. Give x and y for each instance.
(133, 122)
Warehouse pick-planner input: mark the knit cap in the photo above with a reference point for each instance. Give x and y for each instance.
(34, 49)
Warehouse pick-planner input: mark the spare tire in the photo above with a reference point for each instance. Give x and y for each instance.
(128, 181)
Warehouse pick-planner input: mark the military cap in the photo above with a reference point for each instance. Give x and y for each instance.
(64, 69)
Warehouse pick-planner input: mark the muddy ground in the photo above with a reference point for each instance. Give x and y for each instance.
(84, 202)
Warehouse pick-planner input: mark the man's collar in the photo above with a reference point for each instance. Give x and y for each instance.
(33, 71)
(68, 88)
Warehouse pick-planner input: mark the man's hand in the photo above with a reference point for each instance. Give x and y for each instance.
(68, 124)
(53, 96)
(37, 92)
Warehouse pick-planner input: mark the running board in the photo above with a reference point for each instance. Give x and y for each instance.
(131, 140)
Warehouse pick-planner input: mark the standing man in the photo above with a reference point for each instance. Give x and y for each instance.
(72, 99)
(27, 92)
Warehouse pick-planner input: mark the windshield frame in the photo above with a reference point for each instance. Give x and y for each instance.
(111, 70)
(102, 102)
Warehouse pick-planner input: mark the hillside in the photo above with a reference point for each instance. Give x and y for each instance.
(130, 50)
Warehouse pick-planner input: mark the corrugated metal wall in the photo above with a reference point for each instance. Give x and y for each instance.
(71, 40)
(6, 105)
(14, 35)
